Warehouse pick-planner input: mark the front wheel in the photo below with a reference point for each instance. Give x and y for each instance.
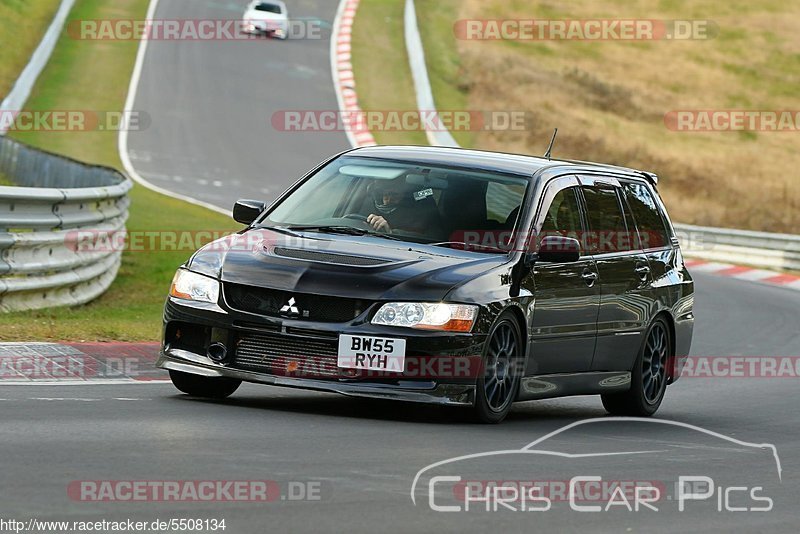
(648, 377)
(497, 386)
(204, 386)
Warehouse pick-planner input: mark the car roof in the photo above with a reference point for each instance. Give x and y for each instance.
(493, 161)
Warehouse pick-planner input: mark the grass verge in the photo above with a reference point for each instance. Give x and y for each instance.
(94, 75)
(609, 98)
(22, 24)
(378, 46)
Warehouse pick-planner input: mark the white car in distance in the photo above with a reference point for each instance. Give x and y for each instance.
(268, 17)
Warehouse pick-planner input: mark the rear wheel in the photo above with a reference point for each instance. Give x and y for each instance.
(204, 386)
(497, 386)
(648, 377)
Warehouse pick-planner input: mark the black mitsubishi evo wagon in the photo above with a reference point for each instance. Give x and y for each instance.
(441, 275)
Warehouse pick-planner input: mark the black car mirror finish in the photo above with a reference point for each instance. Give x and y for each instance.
(247, 211)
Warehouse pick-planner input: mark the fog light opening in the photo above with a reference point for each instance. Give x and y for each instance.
(217, 352)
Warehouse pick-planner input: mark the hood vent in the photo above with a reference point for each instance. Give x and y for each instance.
(328, 257)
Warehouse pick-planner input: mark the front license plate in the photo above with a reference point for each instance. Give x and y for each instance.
(372, 353)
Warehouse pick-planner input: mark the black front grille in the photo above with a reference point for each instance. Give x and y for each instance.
(270, 302)
(328, 257)
(288, 356)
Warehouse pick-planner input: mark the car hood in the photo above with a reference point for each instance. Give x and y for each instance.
(362, 267)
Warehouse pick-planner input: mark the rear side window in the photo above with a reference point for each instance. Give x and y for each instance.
(607, 230)
(650, 223)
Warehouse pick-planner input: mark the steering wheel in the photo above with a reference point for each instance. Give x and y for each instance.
(362, 219)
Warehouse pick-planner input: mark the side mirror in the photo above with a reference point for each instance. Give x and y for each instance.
(559, 249)
(246, 211)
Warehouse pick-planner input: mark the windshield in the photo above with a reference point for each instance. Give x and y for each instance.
(269, 8)
(413, 201)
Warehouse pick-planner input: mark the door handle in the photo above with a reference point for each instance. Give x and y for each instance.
(589, 277)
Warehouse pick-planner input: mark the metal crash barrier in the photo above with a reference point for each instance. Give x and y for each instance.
(54, 228)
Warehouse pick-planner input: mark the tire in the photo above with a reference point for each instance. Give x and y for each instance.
(648, 376)
(498, 384)
(204, 386)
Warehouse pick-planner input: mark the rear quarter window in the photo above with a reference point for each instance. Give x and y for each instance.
(607, 229)
(648, 217)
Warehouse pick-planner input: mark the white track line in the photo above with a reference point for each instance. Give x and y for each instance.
(122, 140)
(21, 90)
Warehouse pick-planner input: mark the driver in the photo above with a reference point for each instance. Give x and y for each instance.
(396, 208)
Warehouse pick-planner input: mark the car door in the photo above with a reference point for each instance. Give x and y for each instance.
(626, 296)
(567, 295)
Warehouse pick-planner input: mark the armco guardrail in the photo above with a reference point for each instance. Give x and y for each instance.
(50, 226)
(744, 247)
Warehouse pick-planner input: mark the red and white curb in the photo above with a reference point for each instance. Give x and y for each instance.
(741, 272)
(79, 364)
(342, 69)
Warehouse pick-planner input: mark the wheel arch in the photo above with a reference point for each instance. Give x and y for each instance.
(518, 313)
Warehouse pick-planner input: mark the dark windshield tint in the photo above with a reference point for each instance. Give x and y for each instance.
(269, 8)
(420, 202)
(652, 231)
(607, 230)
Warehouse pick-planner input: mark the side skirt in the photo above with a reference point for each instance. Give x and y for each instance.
(563, 385)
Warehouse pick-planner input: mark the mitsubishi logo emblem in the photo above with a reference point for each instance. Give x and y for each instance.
(290, 308)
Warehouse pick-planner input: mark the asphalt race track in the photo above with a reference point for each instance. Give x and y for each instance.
(211, 138)
(211, 105)
(364, 454)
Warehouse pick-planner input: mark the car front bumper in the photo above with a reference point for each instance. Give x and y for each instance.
(266, 28)
(429, 393)
(426, 351)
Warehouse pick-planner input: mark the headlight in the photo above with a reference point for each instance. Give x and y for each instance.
(429, 316)
(192, 286)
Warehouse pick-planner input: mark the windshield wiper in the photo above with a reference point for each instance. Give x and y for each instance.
(346, 230)
(465, 245)
(279, 229)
